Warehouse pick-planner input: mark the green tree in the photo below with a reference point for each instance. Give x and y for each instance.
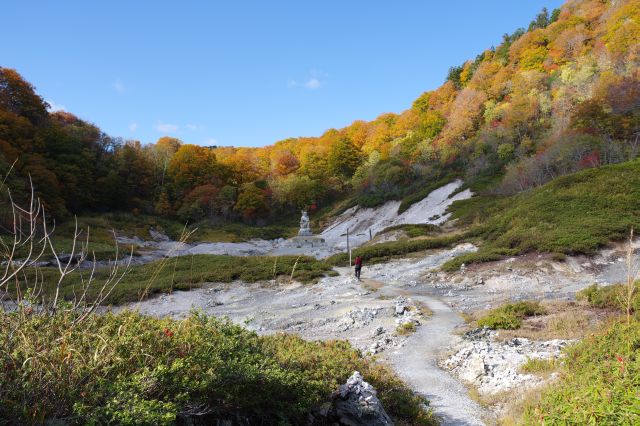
(344, 158)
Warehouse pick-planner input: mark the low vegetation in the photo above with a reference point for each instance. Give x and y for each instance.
(131, 369)
(539, 366)
(599, 381)
(510, 316)
(575, 214)
(608, 297)
(414, 230)
(406, 328)
(382, 252)
(185, 273)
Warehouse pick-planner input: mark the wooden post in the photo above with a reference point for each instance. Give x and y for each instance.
(370, 237)
(348, 248)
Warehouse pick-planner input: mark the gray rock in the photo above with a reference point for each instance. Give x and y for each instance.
(378, 331)
(401, 305)
(356, 404)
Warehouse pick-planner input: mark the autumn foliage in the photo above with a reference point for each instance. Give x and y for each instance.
(559, 96)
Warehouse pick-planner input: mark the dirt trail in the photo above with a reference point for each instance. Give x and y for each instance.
(416, 361)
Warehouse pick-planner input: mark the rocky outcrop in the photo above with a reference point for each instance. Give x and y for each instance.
(356, 404)
(493, 366)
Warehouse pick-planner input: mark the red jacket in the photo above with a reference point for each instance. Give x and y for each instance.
(358, 261)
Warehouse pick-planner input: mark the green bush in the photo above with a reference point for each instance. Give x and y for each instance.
(131, 369)
(608, 297)
(599, 382)
(510, 316)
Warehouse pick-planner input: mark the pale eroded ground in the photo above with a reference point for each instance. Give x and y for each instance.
(365, 312)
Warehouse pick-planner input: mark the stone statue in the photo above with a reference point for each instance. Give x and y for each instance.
(305, 228)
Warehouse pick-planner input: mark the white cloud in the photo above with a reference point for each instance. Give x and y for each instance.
(119, 86)
(292, 83)
(53, 107)
(312, 84)
(133, 127)
(192, 126)
(210, 142)
(166, 127)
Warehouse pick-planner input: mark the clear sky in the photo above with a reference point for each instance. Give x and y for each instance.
(244, 73)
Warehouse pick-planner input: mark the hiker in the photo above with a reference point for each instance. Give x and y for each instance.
(358, 266)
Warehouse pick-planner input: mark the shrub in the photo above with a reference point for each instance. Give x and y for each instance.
(510, 316)
(599, 381)
(607, 297)
(131, 369)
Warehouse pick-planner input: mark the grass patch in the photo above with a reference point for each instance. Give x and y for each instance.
(479, 256)
(406, 328)
(608, 297)
(187, 272)
(510, 316)
(239, 232)
(413, 231)
(539, 366)
(574, 214)
(599, 381)
(131, 369)
(382, 252)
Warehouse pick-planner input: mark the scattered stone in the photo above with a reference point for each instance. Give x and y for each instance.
(213, 303)
(378, 331)
(492, 366)
(401, 306)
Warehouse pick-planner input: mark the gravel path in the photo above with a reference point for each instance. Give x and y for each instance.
(416, 362)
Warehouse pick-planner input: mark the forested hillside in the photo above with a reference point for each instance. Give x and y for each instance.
(559, 96)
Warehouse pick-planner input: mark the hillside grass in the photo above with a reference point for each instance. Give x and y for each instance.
(598, 381)
(185, 273)
(413, 230)
(383, 252)
(574, 214)
(130, 369)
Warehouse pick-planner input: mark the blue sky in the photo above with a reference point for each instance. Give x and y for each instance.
(245, 73)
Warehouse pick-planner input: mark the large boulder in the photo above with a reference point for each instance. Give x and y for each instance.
(355, 404)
